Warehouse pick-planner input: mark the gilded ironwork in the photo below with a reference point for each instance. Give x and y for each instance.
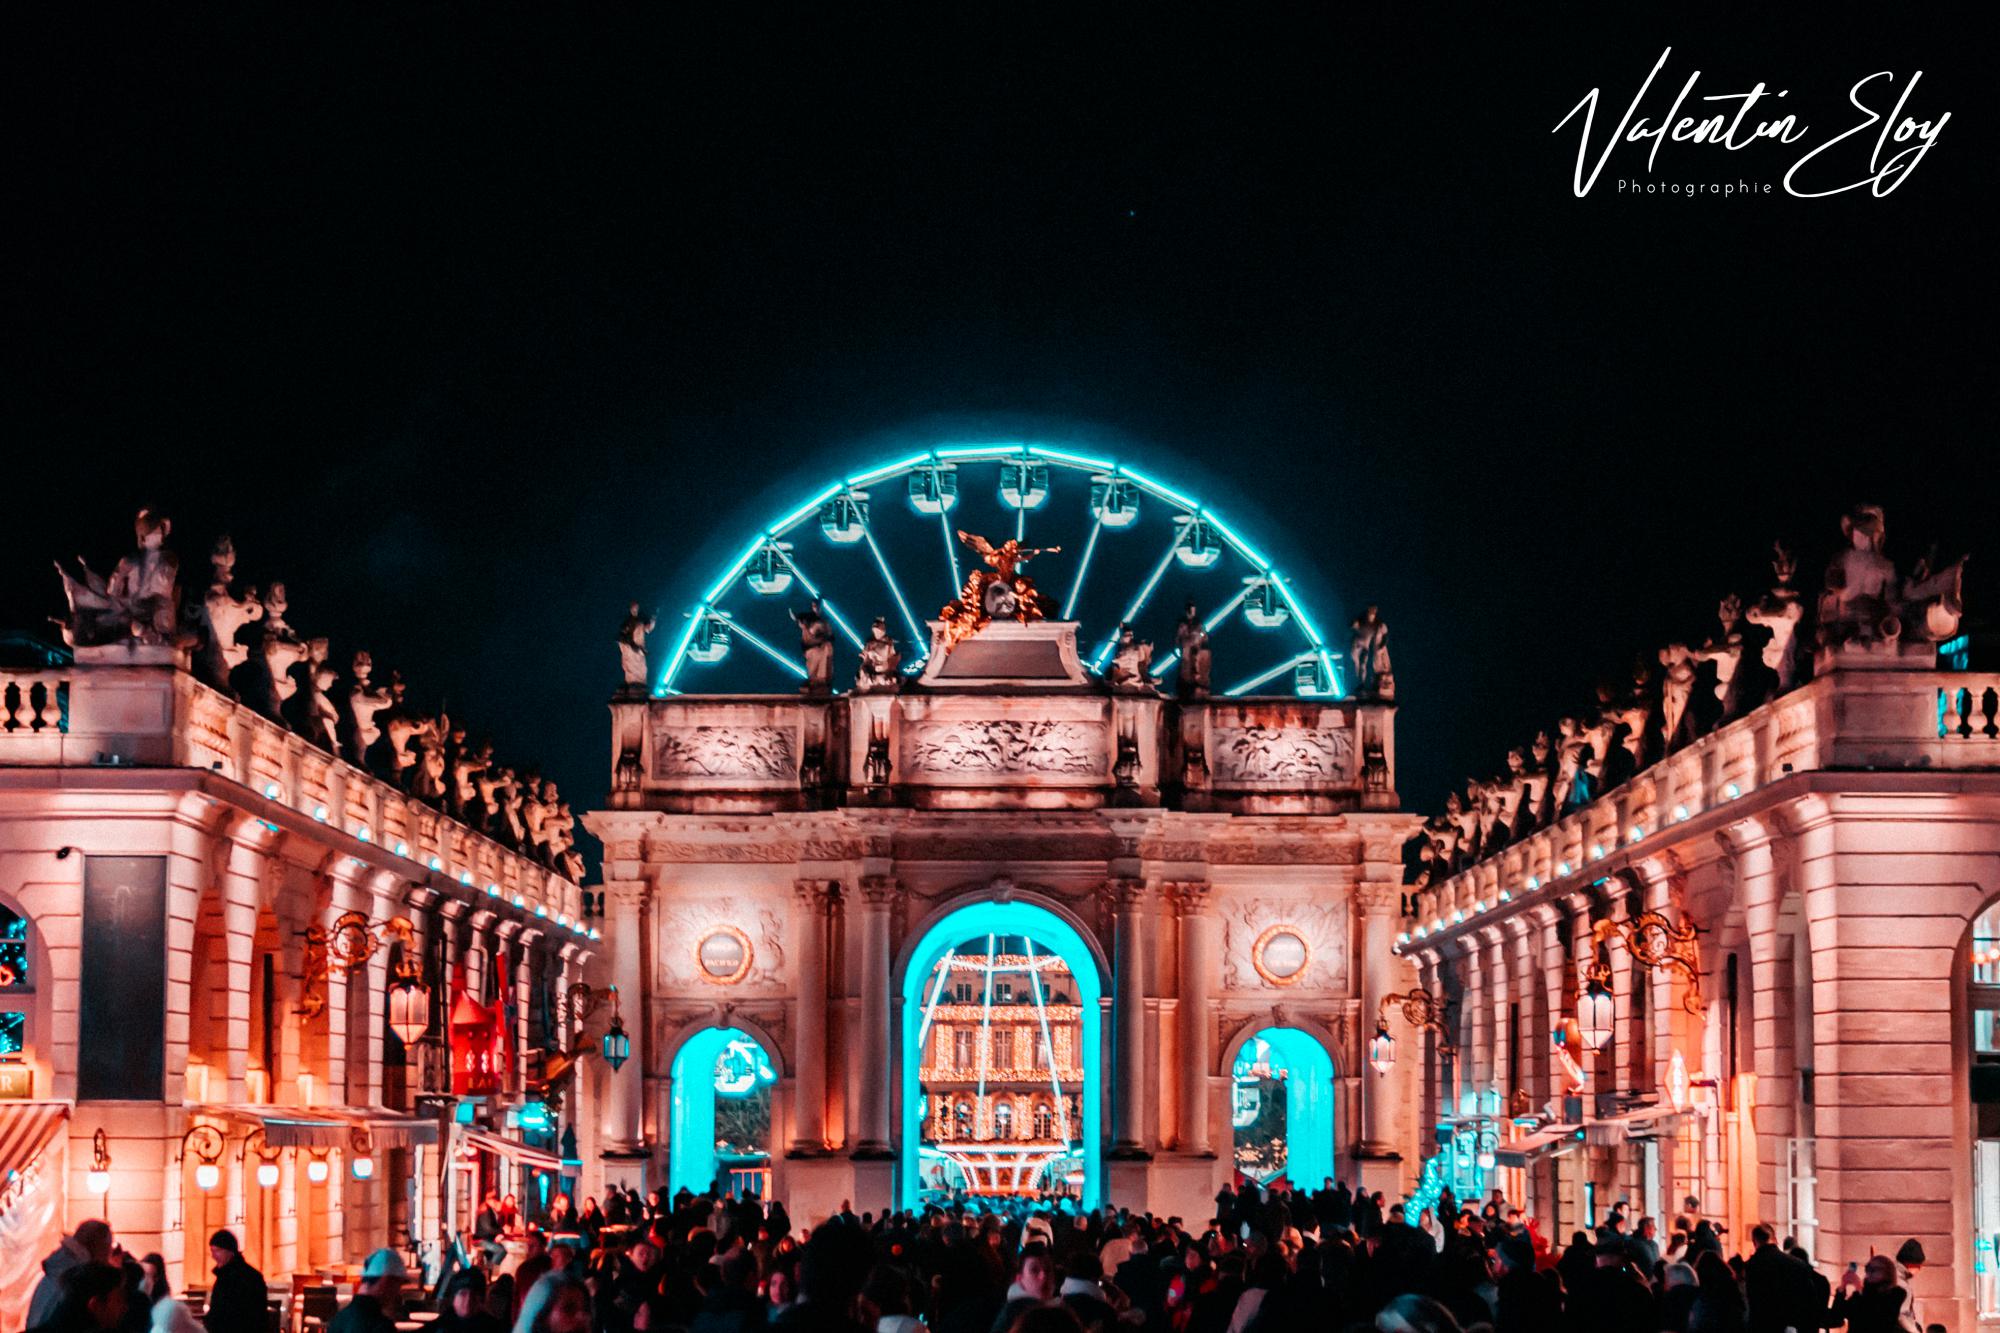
(1656, 942)
(999, 591)
(349, 943)
(1422, 1010)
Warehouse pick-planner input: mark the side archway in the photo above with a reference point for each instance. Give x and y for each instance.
(975, 963)
(1283, 1111)
(720, 1117)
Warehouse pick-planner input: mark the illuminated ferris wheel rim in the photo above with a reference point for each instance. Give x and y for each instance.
(1190, 510)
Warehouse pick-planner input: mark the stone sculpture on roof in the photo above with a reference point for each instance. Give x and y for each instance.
(632, 647)
(139, 603)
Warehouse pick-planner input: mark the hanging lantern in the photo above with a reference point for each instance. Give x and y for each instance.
(409, 1008)
(1382, 1050)
(98, 1181)
(205, 1143)
(617, 1046)
(364, 1166)
(317, 1169)
(1595, 1013)
(267, 1174)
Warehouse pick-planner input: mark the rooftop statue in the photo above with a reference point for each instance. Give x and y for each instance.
(632, 647)
(139, 603)
(816, 643)
(1676, 725)
(880, 660)
(1131, 660)
(265, 680)
(364, 700)
(1779, 612)
(998, 592)
(223, 615)
(1191, 641)
(1725, 650)
(1863, 599)
(1369, 654)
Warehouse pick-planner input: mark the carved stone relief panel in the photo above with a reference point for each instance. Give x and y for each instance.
(746, 753)
(1282, 755)
(1005, 747)
(1279, 944)
(720, 945)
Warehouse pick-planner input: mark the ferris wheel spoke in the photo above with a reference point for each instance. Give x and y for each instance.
(1137, 604)
(1215, 619)
(1048, 1043)
(950, 554)
(918, 638)
(826, 605)
(1082, 568)
(944, 975)
(1245, 686)
(986, 1028)
(737, 628)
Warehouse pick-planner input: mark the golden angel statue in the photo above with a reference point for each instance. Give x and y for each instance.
(998, 592)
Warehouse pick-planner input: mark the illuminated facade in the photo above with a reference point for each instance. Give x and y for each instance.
(1819, 1055)
(1002, 919)
(242, 982)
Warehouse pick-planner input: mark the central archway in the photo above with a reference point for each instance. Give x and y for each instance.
(1281, 1108)
(985, 984)
(721, 1130)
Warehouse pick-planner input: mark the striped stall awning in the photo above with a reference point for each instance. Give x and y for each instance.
(519, 1153)
(328, 1126)
(25, 1129)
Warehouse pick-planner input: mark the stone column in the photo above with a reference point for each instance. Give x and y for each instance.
(1500, 998)
(871, 1133)
(1381, 1092)
(623, 1123)
(244, 860)
(1197, 967)
(809, 901)
(1129, 1020)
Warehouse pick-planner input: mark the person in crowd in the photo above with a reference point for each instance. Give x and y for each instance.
(377, 1297)
(557, 1303)
(91, 1298)
(89, 1243)
(1871, 1301)
(462, 1305)
(535, 1261)
(237, 1301)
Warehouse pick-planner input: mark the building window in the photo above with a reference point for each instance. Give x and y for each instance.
(963, 1054)
(14, 975)
(1003, 1121)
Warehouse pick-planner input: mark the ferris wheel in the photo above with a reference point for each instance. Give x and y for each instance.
(884, 542)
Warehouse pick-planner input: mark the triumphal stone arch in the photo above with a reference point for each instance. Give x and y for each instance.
(1008, 916)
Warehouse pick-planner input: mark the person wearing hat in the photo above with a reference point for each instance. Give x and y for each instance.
(376, 1296)
(236, 1303)
(1909, 1263)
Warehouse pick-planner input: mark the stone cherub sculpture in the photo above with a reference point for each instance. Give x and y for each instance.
(880, 660)
(1192, 670)
(1676, 687)
(315, 716)
(1131, 659)
(139, 603)
(1726, 650)
(632, 647)
(265, 680)
(816, 643)
(1863, 600)
(1368, 652)
(1779, 612)
(223, 616)
(364, 700)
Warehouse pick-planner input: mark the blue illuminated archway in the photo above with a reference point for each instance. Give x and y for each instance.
(1298, 1058)
(882, 541)
(1048, 931)
(712, 1064)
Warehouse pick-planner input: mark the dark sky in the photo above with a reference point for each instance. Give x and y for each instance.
(473, 327)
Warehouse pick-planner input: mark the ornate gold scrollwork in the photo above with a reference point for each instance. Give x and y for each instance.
(349, 943)
(1656, 942)
(1421, 1009)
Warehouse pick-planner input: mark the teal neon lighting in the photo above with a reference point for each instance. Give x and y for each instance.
(755, 642)
(691, 1159)
(1189, 507)
(1245, 686)
(1054, 935)
(1221, 614)
(1307, 1071)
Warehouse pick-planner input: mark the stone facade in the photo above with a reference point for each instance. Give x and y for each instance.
(144, 815)
(1178, 841)
(1835, 849)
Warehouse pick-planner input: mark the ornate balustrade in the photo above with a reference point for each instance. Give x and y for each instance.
(1857, 713)
(146, 713)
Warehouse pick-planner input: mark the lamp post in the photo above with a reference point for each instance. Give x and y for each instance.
(1421, 1010)
(206, 1143)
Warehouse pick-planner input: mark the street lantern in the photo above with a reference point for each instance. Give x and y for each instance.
(1382, 1050)
(98, 1181)
(1595, 1010)
(617, 1046)
(317, 1169)
(361, 1155)
(409, 1004)
(205, 1142)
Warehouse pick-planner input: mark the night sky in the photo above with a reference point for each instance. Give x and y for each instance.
(472, 328)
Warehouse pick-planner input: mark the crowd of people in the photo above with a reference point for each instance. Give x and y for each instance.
(1266, 1261)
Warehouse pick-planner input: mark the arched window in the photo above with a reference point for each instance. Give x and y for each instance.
(1045, 1121)
(1003, 1121)
(17, 983)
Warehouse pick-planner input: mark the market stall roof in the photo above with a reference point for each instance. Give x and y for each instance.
(1641, 1122)
(1544, 1142)
(519, 1153)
